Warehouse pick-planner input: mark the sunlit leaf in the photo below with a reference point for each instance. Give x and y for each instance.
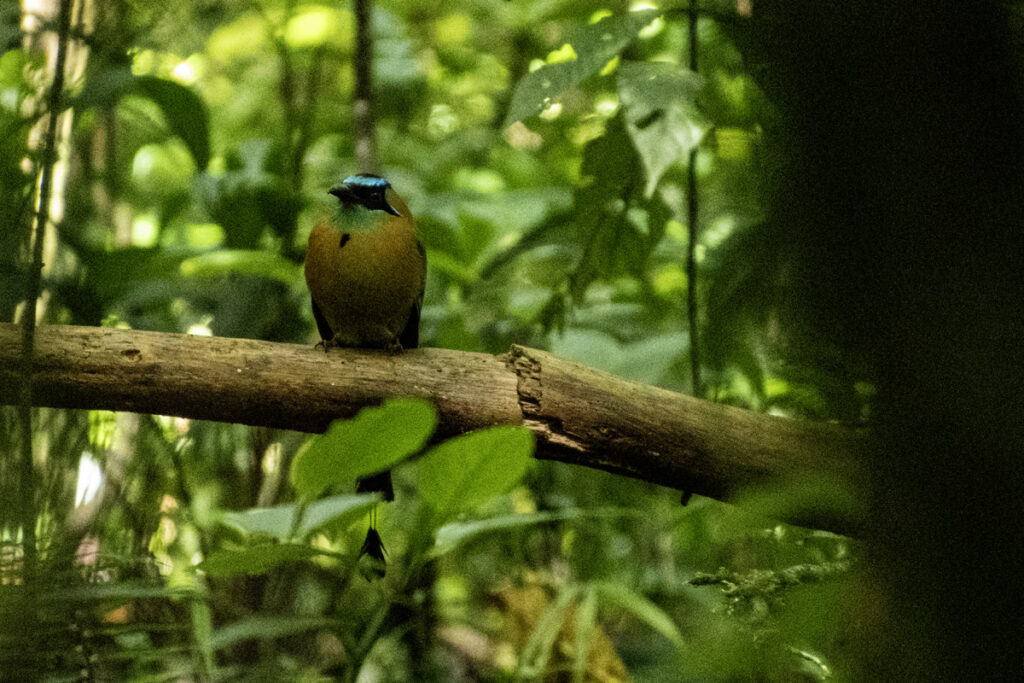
(317, 25)
(160, 170)
(244, 36)
(371, 442)
(594, 45)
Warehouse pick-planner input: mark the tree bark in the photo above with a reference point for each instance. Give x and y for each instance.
(579, 415)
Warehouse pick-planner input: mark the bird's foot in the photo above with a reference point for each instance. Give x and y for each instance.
(394, 347)
(325, 344)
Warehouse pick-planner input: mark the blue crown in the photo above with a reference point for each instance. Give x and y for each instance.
(366, 180)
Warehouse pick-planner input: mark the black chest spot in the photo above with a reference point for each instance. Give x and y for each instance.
(345, 237)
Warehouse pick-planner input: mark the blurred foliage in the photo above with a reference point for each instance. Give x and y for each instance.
(543, 147)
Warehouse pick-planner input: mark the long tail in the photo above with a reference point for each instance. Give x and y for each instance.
(377, 483)
(373, 546)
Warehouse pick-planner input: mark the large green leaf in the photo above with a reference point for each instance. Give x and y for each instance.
(264, 628)
(640, 607)
(595, 45)
(659, 103)
(255, 560)
(371, 442)
(539, 646)
(454, 534)
(183, 110)
(463, 472)
(279, 521)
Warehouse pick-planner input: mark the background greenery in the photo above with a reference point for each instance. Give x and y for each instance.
(546, 149)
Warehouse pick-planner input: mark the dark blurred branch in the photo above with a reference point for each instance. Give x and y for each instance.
(362, 108)
(291, 105)
(310, 98)
(579, 415)
(33, 275)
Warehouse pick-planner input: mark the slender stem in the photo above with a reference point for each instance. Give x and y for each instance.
(691, 220)
(33, 283)
(310, 97)
(289, 103)
(362, 109)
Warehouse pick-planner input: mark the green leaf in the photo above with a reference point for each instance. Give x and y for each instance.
(103, 86)
(336, 512)
(243, 262)
(120, 592)
(463, 472)
(264, 628)
(279, 521)
(648, 360)
(586, 620)
(183, 110)
(202, 630)
(274, 521)
(595, 45)
(534, 659)
(255, 560)
(369, 443)
(454, 534)
(641, 608)
(659, 104)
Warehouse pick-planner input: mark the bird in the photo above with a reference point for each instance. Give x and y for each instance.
(365, 268)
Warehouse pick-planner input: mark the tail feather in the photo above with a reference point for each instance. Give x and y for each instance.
(377, 483)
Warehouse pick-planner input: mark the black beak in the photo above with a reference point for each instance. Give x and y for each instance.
(343, 192)
(375, 201)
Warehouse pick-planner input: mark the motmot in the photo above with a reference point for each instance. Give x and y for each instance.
(366, 268)
(366, 272)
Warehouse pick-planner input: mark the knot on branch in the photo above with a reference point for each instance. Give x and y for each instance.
(528, 375)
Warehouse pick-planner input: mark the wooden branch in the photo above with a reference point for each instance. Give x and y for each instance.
(580, 415)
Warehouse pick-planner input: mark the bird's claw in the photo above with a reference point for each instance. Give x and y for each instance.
(325, 344)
